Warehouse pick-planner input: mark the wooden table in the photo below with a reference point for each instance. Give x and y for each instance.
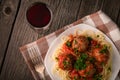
(15, 30)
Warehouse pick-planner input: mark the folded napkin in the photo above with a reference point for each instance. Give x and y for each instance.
(98, 20)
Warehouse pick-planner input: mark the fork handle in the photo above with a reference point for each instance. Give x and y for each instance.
(43, 76)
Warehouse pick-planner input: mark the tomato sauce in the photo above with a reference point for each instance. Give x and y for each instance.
(85, 63)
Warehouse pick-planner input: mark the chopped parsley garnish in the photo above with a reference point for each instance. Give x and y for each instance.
(76, 51)
(102, 63)
(104, 49)
(84, 56)
(65, 63)
(109, 69)
(88, 72)
(75, 78)
(80, 63)
(92, 60)
(56, 58)
(97, 46)
(89, 38)
(68, 44)
(75, 42)
(97, 35)
(98, 77)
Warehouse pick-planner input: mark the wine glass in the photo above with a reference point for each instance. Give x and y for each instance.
(39, 15)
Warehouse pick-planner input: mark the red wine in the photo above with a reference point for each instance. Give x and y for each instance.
(38, 15)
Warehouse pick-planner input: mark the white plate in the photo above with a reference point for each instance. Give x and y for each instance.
(49, 62)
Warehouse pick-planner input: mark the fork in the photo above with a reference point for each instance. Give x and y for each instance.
(37, 61)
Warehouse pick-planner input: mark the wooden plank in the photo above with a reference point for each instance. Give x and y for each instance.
(8, 9)
(118, 18)
(14, 67)
(88, 7)
(64, 13)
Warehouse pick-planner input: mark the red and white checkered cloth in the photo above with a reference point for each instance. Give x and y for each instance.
(98, 20)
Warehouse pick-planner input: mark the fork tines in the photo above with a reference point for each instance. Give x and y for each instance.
(35, 56)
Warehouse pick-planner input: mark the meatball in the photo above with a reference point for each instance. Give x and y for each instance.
(88, 71)
(65, 61)
(100, 57)
(80, 43)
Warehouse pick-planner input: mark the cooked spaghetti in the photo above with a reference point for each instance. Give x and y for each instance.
(84, 55)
